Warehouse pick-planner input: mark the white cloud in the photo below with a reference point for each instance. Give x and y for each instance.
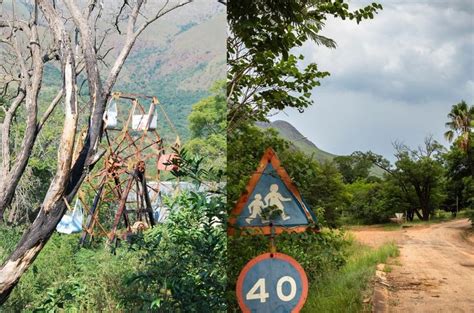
(394, 77)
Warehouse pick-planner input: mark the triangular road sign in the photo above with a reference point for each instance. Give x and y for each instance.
(270, 189)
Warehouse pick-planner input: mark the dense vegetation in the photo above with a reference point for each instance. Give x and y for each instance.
(177, 266)
(207, 123)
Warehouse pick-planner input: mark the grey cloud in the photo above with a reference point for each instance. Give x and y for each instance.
(392, 78)
(409, 52)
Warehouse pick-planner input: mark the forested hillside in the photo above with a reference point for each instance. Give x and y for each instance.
(178, 59)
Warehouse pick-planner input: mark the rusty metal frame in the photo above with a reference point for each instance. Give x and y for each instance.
(118, 176)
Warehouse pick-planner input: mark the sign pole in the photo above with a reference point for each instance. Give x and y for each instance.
(272, 239)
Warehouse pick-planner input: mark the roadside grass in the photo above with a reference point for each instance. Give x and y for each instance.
(344, 290)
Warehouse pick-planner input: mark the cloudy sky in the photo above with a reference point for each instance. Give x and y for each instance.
(392, 78)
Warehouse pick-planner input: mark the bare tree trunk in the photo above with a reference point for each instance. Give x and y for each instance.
(53, 206)
(31, 86)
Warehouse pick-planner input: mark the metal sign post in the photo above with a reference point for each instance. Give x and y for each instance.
(271, 204)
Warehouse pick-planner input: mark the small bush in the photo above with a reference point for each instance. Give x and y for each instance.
(470, 215)
(184, 260)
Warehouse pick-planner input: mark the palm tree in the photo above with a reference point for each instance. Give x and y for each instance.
(460, 124)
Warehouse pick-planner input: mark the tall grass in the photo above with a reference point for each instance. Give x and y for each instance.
(343, 290)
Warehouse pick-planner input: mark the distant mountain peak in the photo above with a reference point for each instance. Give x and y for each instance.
(297, 139)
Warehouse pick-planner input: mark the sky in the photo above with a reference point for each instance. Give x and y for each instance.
(393, 78)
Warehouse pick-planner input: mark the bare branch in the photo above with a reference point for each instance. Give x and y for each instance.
(50, 110)
(132, 36)
(6, 125)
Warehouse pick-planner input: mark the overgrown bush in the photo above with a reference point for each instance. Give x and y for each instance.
(65, 277)
(184, 260)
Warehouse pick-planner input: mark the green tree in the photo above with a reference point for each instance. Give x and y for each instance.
(372, 202)
(207, 123)
(418, 173)
(459, 160)
(458, 177)
(461, 119)
(263, 73)
(353, 168)
(460, 124)
(421, 171)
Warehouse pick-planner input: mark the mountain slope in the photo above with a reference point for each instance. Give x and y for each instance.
(178, 59)
(299, 141)
(290, 133)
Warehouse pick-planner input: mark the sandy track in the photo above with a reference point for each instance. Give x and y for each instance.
(435, 271)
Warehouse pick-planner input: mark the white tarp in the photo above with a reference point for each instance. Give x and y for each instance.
(111, 115)
(139, 121)
(72, 221)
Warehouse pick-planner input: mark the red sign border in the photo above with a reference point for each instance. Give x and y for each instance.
(269, 156)
(276, 255)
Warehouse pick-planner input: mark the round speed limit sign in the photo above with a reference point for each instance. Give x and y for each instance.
(272, 282)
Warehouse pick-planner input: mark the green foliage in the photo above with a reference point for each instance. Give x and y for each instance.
(178, 266)
(9, 236)
(353, 168)
(373, 202)
(207, 123)
(423, 175)
(318, 253)
(3, 106)
(320, 184)
(263, 74)
(461, 120)
(79, 280)
(418, 173)
(184, 259)
(459, 181)
(470, 215)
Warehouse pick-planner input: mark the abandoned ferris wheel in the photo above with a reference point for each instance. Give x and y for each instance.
(118, 198)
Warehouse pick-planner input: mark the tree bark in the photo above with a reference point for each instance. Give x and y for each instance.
(53, 206)
(11, 174)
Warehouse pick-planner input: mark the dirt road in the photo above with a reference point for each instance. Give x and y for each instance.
(435, 270)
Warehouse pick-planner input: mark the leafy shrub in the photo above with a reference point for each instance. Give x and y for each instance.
(470, 215)
(9, 237)
(184, 259)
